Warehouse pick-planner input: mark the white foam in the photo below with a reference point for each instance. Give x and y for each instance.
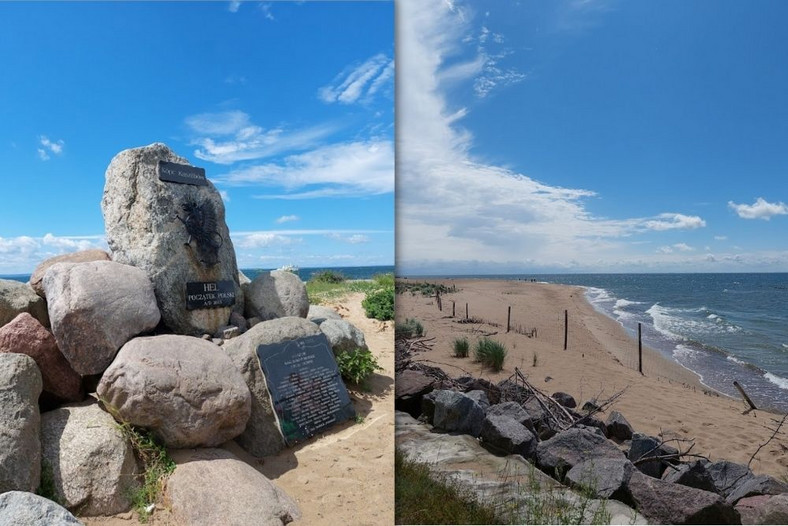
(779, 381)
(735, 360)
(682, 351)
(663, 322)
(622, 303)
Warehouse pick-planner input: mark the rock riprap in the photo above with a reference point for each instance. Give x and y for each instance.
(21, 507)
(276, 294)
(20, 442)
(17, 297)
(175, 232)
(95, 308)
(184, 389)
(25, 335)
(92, 464)
(343, 335)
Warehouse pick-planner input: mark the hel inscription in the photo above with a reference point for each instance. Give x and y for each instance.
(305, 385)
(181, 173)
(209, 294)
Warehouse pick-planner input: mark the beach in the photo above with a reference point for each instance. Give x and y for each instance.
(601, 360)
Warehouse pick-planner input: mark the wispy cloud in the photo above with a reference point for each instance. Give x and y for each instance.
(287, 219)
(672, 221)
(360, 82)
(353, 239)
(23, 253)
(48, 146)
(345, 169)
(265, 7)
(234, 6)
(264, 239)
(760, 209)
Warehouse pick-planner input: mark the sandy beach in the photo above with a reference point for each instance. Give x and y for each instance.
(601, 359)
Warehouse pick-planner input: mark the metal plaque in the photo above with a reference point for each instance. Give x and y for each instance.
(305, 385)
(209, 294)
(181, 173)
(203, 228)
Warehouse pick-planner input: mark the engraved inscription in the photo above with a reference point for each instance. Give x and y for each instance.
(209, 294)
(182, 173)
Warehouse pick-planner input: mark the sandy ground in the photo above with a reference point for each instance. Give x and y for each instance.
(600, 360)
(343, 476)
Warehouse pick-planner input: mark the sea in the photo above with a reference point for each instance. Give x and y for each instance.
(723, 327)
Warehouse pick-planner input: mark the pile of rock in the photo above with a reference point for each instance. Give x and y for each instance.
(119, 324)
(608, 458)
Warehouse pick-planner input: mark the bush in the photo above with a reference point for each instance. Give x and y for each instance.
(356, 366)
(490, 353)
(379, 304)
(328, 276)
(410, 329)
(384, 280)
(461, 347)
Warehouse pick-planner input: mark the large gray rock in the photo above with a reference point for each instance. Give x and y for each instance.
(606, 478)
(37, 278)
(644, 446)
(96, 307)
(693, 474)
(28, 509)
(25, 335)
(184, 389)
(93, 465)
(666, 503)
(455, 411)
(211, 486)
(262, 436)
(17, 297)
(512, 410)
(618, 426)
(565, 450)
(20, 423)
(764, 509)
(757, 485)
(142, 228)
(318, 314)
(343, 335)
(276, 294)
(727, 476)
(507, 435)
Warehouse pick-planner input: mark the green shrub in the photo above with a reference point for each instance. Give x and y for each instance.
(379, 304)
(490, 353)
(384, 280)
(410, 329)
(356, 366)
(327, 276)
(461, 347)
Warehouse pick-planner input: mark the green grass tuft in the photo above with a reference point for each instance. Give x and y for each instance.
(412, 328)
(490, 353)
(461, 347)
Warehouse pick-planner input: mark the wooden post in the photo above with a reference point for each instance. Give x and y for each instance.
(509, 318)
(746, 398)
(566, 328)
(438, 300)
(452, 308)
(466, 311)
(640, 351)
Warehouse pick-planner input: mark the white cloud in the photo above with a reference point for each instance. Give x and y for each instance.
(43, 155)
(760, 209)
(359, 82)
(264, 239)
(345, 169)
(672, 221)
(225, 196)
(22, 254)
(234, 6)
(266, 9)
(48, 146)
(720, 238)
(353, 239)
(285, 219)
(678, 247)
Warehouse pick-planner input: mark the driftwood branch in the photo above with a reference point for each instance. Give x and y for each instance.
(776, 430)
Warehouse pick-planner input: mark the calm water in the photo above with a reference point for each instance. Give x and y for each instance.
(724, 327)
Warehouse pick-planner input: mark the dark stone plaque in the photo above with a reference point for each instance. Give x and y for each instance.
(209, 294)
(305, 386)
(181, 173)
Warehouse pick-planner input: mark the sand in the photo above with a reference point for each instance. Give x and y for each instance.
(345, 475)
(600, 360)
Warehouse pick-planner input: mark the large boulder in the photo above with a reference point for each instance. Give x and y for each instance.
(764, 509)
(727, 476)
(605, 478)
(83, 256)
(565, 450)
(618, 427)
(146, 226)
(29, 509)
(666, 503)
(262, 436)
(318, 314)
(512, 410)
(757, 485)
(410, 387)
(276, 294)
(96, 307)
(693, 474)
(184, 389)
(20, 423)
(455, 411)
(212, 486)
(644, 446)
(25, 335)
(17, 297)
(506, 435)
(343, 335)
(92, 464)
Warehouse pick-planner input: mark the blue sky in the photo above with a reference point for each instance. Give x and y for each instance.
(592, 136)
(289, 107)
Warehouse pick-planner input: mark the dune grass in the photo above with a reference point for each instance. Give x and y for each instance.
(490, 353)
(461, 347)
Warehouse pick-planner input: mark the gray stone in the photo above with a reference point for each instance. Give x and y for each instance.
(318, 314)
(539, 417)
(512, 410)
(458, 412)
(666, 503)
(644, 446)
(28, 509)
(212, 486)
(343, 335)
(16, 298)
(607, 478)
(262, 436)
(227, 332)
(20, 442)
(480, 397)
(506, 435)
(96, 307)
(565, 450)
(25, 335)
(276, 294)
(142, 229)
(565, 400)
(693, 474)
(764, 509)
(618, 426)
(727, 476)
(37, 278)
(93, 465)
(184, 389)
(757, 485)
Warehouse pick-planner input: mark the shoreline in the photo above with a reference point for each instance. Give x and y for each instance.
(600, 360)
